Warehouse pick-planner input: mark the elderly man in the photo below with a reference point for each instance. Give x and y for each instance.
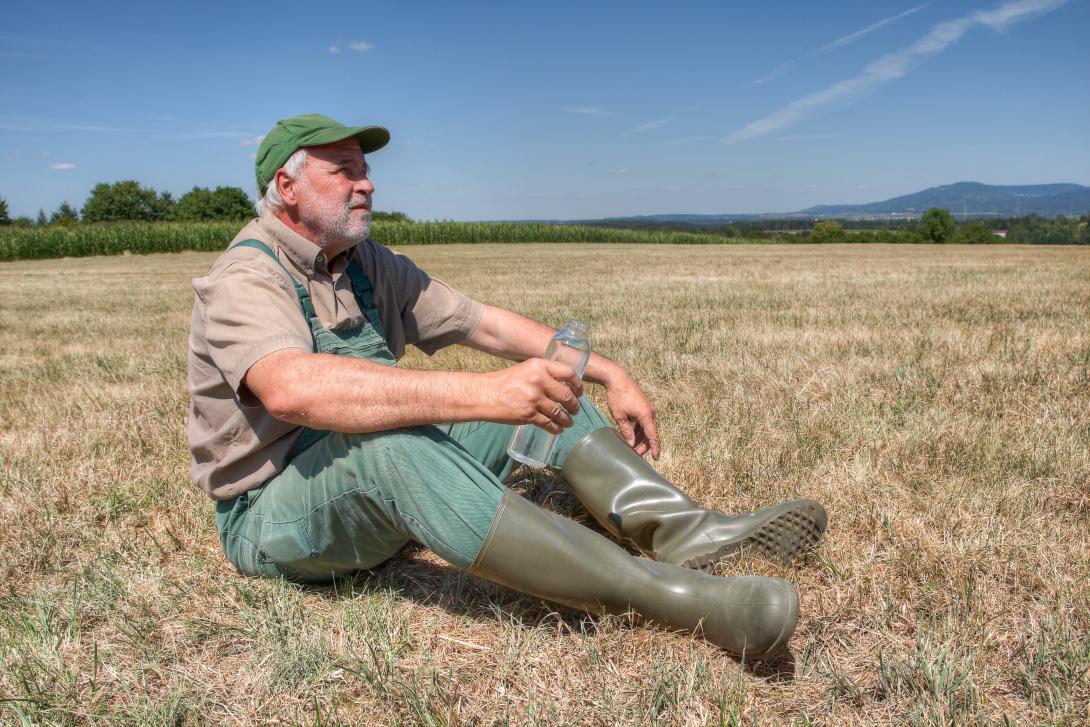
(325, 458)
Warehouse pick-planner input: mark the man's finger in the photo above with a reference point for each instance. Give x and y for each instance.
(627, 433)
(555, 413)
(565, 373)
(651, 434)
(561, 393)
(545, 422)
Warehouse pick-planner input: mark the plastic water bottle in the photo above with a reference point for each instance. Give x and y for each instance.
(530, 444)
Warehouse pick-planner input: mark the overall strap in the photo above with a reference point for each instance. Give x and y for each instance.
(304, 296)
(361, 284)
(365, 293)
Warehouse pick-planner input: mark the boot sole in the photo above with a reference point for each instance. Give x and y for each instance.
(787, 531)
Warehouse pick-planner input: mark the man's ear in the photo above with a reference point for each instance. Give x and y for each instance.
(285, 185)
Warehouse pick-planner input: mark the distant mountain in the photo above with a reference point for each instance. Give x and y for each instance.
(963, 199)
(972, 199)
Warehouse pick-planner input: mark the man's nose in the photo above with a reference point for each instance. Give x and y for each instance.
(365, 186)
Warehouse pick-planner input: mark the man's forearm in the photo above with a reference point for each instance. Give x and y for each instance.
(515, 337)
(352, 395)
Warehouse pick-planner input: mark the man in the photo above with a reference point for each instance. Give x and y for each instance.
(325, 458)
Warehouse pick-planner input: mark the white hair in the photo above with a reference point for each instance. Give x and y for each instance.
(293, 167)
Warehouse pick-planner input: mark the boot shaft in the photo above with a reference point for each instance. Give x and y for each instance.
(543, 554)
(633, 501)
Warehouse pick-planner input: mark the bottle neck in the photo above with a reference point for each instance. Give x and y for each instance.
(575, 329)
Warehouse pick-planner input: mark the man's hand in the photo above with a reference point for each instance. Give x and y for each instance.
(536, 391)
(512, 336)
(634, 414)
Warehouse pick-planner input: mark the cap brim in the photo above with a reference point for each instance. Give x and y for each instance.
(370, 138)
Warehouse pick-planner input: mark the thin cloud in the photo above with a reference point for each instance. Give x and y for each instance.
(252, 141)
(171, 132)
(586, 110)
(852, 37)
(38, 125)
(838, 43)
(895, 65)
(28, 153)
(647, 127)
(359, 46)
(688, 139)
(56, 126)
(62, 166)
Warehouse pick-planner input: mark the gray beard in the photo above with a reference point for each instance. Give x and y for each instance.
(336, 224)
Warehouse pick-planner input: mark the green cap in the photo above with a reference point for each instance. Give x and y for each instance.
(309, 130)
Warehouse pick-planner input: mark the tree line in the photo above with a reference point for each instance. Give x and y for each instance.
(128, 201)
(936, 225)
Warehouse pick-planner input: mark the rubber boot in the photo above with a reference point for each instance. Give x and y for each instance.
(633, 501)
(537, 552)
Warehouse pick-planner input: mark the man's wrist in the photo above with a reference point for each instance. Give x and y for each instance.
(604, 372)
(482, 397)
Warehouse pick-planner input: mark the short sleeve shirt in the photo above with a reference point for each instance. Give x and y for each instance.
(245, 308)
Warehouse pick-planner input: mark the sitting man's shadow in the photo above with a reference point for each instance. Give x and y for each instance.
(418, 575)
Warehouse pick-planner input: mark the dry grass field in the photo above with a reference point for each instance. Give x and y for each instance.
(936, 399)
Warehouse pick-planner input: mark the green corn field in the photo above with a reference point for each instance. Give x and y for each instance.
(148, 237)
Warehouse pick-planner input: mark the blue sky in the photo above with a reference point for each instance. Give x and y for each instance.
(554, 110)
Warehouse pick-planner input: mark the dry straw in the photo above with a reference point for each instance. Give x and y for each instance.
(934, 398)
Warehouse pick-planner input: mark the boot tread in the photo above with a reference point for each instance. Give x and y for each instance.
(783, 538)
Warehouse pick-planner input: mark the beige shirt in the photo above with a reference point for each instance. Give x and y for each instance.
(246, 308)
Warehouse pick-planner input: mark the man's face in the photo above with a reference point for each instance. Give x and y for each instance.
(334, 195)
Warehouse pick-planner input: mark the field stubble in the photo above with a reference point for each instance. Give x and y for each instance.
(935, 399)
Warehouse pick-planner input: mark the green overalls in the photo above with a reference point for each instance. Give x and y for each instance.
(347, 502)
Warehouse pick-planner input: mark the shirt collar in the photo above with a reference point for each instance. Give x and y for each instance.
(304, 253)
